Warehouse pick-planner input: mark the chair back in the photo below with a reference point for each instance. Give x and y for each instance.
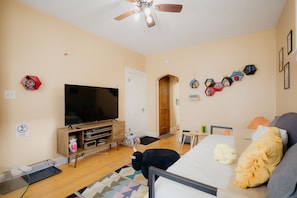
(222, 130)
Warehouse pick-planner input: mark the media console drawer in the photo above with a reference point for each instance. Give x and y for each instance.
(90, 144)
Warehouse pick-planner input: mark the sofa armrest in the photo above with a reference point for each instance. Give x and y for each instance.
(153, 172)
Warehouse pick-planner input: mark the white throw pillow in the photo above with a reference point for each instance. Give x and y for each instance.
(262, 129)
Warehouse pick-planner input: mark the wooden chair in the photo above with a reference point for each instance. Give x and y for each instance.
(223, 130)
(193, 136)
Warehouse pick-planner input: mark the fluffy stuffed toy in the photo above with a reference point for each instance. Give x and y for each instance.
(224, 154)
(160, 158)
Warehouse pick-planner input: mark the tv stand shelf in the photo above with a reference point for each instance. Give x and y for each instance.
(90, 136)
(97, 136)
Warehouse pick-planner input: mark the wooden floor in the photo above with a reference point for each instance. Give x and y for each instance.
(92, 168)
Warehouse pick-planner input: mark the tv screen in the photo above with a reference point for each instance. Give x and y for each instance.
(88, 104)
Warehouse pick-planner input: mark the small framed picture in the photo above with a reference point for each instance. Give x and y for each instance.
(287, 76)
(281, 59)
(289, 42)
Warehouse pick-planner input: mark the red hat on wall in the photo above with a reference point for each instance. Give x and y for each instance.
(31, 82)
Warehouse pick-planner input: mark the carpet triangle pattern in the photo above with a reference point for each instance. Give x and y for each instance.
(123, 183)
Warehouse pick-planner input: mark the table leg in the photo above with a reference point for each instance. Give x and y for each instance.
(75, 163)
(183, 142)
(192, 141)
(196, 139)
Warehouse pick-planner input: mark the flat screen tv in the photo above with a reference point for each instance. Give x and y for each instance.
(88, 104)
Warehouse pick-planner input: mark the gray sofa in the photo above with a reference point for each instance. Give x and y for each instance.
(282, 183)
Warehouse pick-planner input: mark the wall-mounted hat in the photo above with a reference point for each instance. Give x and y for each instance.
(236, 76)
(218, 86)
(30, 82)
(194, 83)
(227, 81)
(209, 82)
(209, 91)
(250, 69)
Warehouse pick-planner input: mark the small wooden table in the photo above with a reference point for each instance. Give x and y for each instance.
(194, 137)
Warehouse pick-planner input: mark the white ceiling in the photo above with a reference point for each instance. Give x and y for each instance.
(199, 22)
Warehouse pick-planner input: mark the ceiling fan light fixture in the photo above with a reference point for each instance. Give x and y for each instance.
(149, 19)
(146, 7)
(147, 11)
(136, 16)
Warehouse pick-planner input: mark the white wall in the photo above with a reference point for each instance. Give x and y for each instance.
(235, 106)
(33, 43)
(286, 98)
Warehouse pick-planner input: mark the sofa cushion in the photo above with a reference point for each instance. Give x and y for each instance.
(288, 122)
(262, 129)
(283, 181)
(260, 158)
(273, 122)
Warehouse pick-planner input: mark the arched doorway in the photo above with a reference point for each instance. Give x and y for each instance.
(168, 104)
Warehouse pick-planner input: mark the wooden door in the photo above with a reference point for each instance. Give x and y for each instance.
(164, 111)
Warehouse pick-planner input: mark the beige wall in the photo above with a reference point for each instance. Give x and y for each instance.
(35, 43)
(286, 98)
(236, 105)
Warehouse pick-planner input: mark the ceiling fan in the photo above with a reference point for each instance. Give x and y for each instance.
(145, 7)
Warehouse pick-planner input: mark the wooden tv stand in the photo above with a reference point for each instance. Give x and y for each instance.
(90, 136)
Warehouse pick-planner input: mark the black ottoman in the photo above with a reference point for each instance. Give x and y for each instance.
(160, 158)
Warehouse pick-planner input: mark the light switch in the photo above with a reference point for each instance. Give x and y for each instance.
(9, 94)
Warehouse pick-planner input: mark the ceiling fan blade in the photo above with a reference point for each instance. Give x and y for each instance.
(124, 15)
(150, 22)
(168, 7)
(131, 1)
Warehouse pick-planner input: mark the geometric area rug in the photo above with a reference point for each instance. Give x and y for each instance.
(125, 182)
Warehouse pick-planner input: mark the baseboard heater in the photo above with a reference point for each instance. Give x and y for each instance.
(11, 181)
(41, 174)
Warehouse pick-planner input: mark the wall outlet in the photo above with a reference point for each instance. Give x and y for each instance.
(9, 94)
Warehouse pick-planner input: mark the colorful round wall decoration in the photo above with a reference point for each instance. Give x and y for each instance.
(212, 86)
(31, 82)
(250, 69)
(236, 76)
(218, 86)
(209, 91)
(209, 82)
(194, 84)
(227, 81)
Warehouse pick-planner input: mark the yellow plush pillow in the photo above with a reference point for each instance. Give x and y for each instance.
(260, 158)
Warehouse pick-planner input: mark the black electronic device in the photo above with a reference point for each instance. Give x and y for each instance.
(88, 104)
